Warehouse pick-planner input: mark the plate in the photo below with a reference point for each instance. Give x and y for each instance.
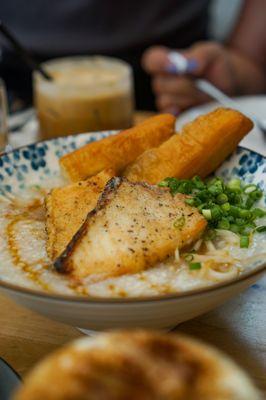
(36, 164)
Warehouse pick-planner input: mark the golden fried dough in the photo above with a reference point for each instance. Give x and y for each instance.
(67, 208)
(199, 149)
(117, 151)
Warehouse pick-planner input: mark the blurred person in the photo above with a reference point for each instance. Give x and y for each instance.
(126, 30)
(118, 28)
(238, 67)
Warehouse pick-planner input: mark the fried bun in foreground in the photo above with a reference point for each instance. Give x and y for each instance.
(137, 365)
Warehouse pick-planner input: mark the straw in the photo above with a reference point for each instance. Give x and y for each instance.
(23, 53)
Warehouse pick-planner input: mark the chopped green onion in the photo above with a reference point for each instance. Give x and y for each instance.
(261, 228)
(216, 212)
(184, 187)
(250, 188)
(222, 198)
(201, 207)
(249, 202)
(244, 241)
(179, 222)
(199, 184)
(256, 194)
(194, 266)
(234, 184)
(188, 257)
(247, 229)
(240, 221)
(245, 214)
(234, 228)
(163, 184)
(235, 211)
(224, 224)
(207, 214)
(228, 206)
(225, 207)
(258, 212)
(215, 189)
(190, 202)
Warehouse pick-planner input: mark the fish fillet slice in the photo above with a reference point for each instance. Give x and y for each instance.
(133, 226)
(67, 208)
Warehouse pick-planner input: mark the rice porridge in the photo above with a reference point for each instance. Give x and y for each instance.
(24, 260)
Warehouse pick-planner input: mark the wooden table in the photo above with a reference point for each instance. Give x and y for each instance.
(238, 328)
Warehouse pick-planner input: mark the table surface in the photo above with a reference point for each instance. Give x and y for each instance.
(238, 328)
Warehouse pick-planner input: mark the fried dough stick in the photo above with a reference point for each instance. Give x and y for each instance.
(199, 149)
(117, 151)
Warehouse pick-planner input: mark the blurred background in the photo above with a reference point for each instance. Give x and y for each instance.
(223, 41)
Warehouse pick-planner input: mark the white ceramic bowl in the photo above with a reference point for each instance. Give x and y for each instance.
(34, 163)
(162, 312)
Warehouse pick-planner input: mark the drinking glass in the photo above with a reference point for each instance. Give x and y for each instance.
(86, 94)
(3, 117)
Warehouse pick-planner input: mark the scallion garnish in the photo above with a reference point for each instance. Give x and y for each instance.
(190, 201)
(244, 241)
(250, 188)
(260, 228)
(194, 266)
(188, 257)
(258, 212)
(234, 184)
(228, 206)
(207, 214)
(224, 224)
(222, 198)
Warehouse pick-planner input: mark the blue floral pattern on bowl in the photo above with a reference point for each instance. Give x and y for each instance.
(33, 164)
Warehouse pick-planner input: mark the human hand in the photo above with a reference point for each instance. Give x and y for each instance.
(174, 93)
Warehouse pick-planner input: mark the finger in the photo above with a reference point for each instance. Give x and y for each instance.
(174, 104)
(155, 59)
(171, 84)
(203, 54)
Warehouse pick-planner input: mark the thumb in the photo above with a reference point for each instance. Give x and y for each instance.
(202, 55)
(155, 59)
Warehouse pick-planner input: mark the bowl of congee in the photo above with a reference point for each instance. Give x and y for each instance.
(143, 227)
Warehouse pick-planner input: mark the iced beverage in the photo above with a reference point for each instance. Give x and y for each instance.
(86, 94)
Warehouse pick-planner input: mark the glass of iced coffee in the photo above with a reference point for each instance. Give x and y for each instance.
(86, 94)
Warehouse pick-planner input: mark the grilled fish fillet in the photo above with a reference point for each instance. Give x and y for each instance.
(133, 226)
(67, 208)
(117, 151)
(199, 149)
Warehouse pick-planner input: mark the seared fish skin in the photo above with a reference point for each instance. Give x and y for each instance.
(134, 226)
(67, 208)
